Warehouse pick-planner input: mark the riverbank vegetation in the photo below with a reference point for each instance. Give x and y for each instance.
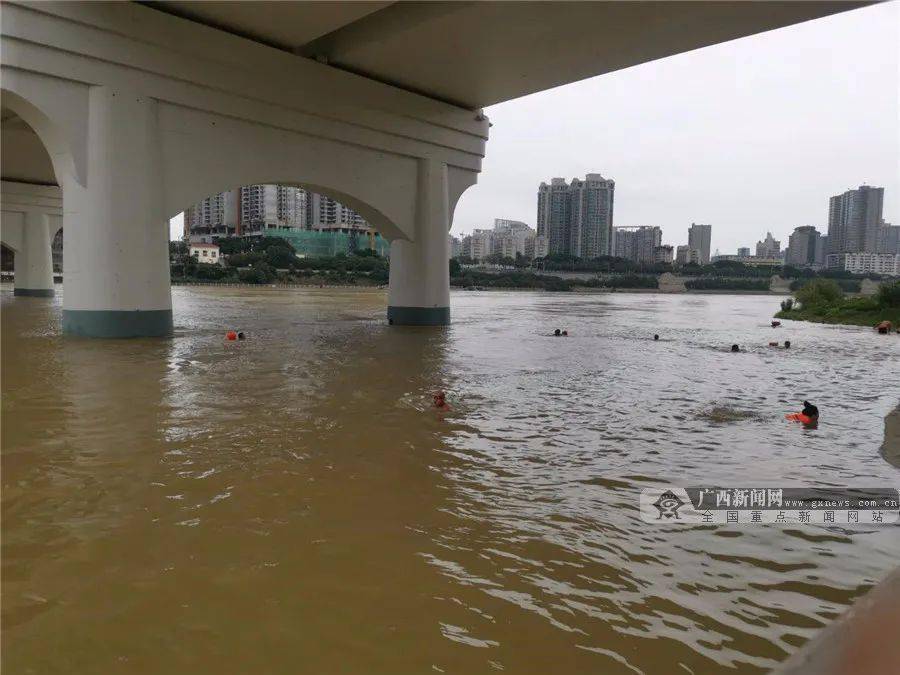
(823, 301)
(270, 260)
(726, 284)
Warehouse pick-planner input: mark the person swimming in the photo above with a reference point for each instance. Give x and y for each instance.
(787, 344)
(440, 401)
(565, 333)
(811, 411)
(655, 336)
(557, 333)
(735, 348)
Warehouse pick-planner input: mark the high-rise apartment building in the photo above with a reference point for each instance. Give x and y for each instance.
(803, 245)
(699, 237)
(855, 221)
(553, 215)
(577, 218)
(509, 238)
(637, 243)
(252, 209)
(889, 240)
(685, 255)
(822, 251)
(769, 248)
(324, 213)
(663, 254)
(478, 245)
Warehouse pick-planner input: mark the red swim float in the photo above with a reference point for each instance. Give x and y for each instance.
(798, 417)
(231, 335)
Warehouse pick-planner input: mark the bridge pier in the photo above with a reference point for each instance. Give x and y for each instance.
(34, 260)
(115, 231)
(419, 285)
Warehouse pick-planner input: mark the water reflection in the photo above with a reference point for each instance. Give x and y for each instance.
(197, 505)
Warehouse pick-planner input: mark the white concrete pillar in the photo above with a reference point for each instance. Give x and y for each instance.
(419, 286)
(116, 261)
(34, 261)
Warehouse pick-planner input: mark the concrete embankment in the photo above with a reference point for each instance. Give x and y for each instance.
(862, 641)
(890, 449)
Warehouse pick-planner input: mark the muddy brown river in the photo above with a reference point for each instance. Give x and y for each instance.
(291, 504)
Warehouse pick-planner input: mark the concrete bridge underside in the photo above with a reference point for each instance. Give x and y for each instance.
(117, 116)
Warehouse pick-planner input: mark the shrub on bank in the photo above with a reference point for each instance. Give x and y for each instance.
(846, 285)
(818, 293)
(512, 279)
(889, 294)
(823, 301)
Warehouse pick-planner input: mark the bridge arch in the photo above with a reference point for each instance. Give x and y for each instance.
(51, 138)
(204, 154)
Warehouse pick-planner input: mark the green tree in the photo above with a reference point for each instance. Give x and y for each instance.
(889, 294)
(819, 293)
(281, 257)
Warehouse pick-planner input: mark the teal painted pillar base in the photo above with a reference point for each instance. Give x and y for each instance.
(117, 324)
(35, 292)
(418, 316)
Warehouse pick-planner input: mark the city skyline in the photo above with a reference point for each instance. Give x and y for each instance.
(821, 97)
(666, 142)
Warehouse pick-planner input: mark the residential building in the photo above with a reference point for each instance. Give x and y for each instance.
(510, 237)
(803, 245)
(56, 251)
(553, 215)
(204, 253)
(216, 216)
(685, 255)
(637, 244)
(887, 264)
(663, 255)
(477, 245)
(889, 239)
(577, 218)
(324, 213)
(455, 246)
(854, 221)
(254, 209)
(743, 252)
(821, 250)
(536, 247)
(768, 247)
(699, 237)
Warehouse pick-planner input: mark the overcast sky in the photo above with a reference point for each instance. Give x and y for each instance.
(750, 135)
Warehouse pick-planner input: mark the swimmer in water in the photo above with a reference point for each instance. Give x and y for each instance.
(241, 336)
(440, 401)
(565, 333)
(735, 348)
(811, 411)
(655, 336)
(787, 344)
(557, 333)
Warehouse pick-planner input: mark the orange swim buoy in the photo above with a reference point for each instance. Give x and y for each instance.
(798, 417)
(231, 335)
